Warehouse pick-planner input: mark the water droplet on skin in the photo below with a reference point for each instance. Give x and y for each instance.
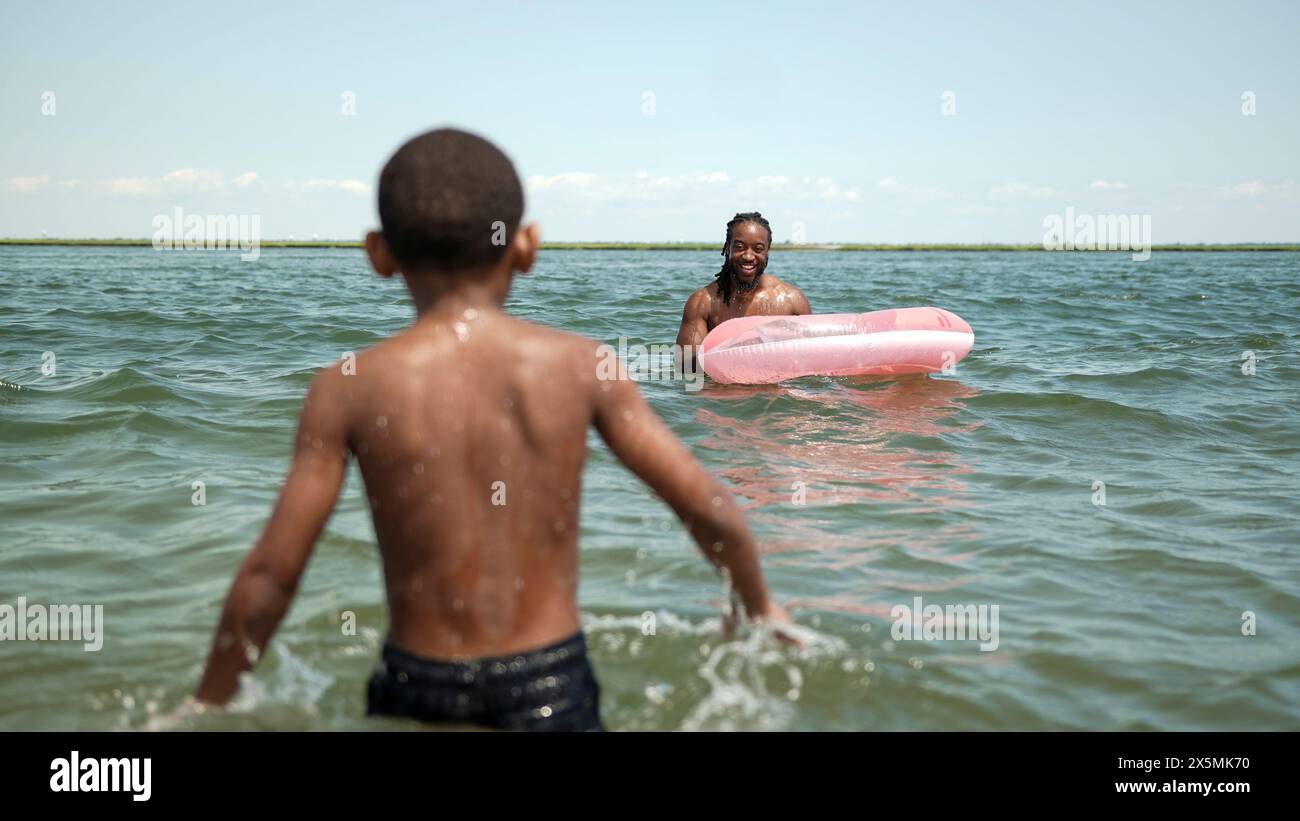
(418, 468)
(462, 331)
(717, 501)
(381, 421)
(470, 314)
(627, 415)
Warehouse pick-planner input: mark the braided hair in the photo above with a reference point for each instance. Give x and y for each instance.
(724, 275)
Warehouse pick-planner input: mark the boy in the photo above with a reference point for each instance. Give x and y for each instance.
(469, 428)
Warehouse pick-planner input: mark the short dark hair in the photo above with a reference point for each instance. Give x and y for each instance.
(447, 198)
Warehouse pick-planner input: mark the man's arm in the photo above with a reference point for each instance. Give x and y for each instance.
(268, 577)
(695, 326)
(642, 442)
(799, 302)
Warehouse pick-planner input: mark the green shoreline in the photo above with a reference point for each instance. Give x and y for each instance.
(698, 246)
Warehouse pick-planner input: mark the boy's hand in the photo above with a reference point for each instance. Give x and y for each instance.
(773, 616)
(776, 618)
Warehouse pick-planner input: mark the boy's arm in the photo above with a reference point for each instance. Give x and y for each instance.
(268, 577)
(640, 439)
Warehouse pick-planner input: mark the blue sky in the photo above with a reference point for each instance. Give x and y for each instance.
(827, 117)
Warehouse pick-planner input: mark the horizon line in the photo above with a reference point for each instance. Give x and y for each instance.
(675, 245)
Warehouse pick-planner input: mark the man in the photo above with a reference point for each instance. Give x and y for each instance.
(742, 287)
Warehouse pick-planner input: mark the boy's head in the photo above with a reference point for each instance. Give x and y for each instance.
(449, 202)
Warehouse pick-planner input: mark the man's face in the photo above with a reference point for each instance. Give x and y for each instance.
(749, 247)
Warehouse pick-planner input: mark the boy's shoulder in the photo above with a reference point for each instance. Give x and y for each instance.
(540, 343)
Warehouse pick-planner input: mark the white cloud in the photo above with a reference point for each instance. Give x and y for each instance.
(642, 186)
(25, 185)
(190, 179)
(130, 186)
(356, 187)
(570, 181)
(1018, 191)
(887, 184)
(1104, 185)
(182, 180)
(1257, 188)
(828, 190)
(246, 179)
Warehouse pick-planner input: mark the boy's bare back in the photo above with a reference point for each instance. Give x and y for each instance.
(469, 429)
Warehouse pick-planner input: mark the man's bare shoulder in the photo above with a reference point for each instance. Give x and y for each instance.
(701, 300)
(783, 292)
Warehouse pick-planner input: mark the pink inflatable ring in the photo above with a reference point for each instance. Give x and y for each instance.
(764, 349)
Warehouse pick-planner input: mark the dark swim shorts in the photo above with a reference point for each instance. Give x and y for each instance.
(552, 688)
